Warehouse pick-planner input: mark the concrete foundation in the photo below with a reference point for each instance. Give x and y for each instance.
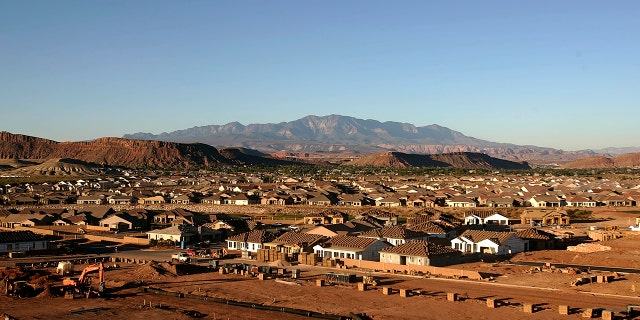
(387, 291)
(320, 282)
(492, 303)
(405, 293)
(587, 313)
(362, 286)
(607, 315)
(262, 276)
(452, 296)
(563, 310)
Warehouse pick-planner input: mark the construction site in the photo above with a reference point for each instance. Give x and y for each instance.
(121, 288)
(598, 279)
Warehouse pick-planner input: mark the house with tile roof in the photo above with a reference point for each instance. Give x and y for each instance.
(433, 229)
(421, 253)
(14, 220)
(325, 217)
(488, 242)
(250, 241)
(478, 217)
(11, 241)
(389, 219)
(394, 235)
(580, 201)
(179, 233)
(351, 247)
(544, 217)
(544, 200)
(294, 242)
(536, 239)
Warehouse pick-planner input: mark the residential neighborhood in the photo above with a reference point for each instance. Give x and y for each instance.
(355, 217)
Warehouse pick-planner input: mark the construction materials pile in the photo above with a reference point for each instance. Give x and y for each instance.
(153, 270)
(588, 248)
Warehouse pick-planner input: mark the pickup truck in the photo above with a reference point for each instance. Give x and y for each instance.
(182, 257)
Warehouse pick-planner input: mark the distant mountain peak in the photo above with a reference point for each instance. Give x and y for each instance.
(336, 133)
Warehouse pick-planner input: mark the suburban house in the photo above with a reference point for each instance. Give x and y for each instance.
(536, 239)
(250, 241)
(280, 200)
(239, 199)
(294, 242)
(544, 217)
(181, 199)
(387, 218)
(353, 227)
(122, 221)
(319, 199)
(354, 200)
(151, 200)
(350, 247)
(502, 202)
(546, 201)
(460, 202)
(489, 242)
(485, 217)
(580, 201)
(122, 199)
(90, 200)
(420, 253)
(11, 241)
(179, 233)
(394, 235)
(325, 217)
(433, 229)
(389, 201)
(27, 220)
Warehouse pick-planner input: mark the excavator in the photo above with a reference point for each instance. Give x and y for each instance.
(82, 284)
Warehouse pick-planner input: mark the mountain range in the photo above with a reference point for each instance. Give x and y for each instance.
(343, 134)
(25, 155)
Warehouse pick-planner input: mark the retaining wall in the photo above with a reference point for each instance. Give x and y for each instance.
(382, 266)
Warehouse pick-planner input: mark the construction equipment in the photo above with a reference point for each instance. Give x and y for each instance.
(82, 284)
(19, 288)
(64, 267)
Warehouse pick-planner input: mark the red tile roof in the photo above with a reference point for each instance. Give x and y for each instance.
(419, 248)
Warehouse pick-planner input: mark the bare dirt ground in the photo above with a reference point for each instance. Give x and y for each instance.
(513, 286)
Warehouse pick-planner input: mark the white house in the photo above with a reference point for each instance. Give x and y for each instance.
(460, 202)
(485, 217)
(350, 247)
(251, 241)
(499, 243)
(176, 233)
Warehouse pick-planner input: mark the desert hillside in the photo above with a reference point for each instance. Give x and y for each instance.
(468, 160)
(629, 160)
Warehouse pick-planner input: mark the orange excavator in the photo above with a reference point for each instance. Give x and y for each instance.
(83, 282)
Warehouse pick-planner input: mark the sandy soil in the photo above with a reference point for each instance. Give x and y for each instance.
(513, 285)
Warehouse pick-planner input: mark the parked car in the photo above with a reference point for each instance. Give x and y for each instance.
(182, 257)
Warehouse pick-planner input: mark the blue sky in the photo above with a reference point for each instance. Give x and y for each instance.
(562, 74)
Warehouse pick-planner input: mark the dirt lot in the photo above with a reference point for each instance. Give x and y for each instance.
(512, 286)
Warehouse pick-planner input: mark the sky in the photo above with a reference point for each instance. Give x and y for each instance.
(561, 74)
